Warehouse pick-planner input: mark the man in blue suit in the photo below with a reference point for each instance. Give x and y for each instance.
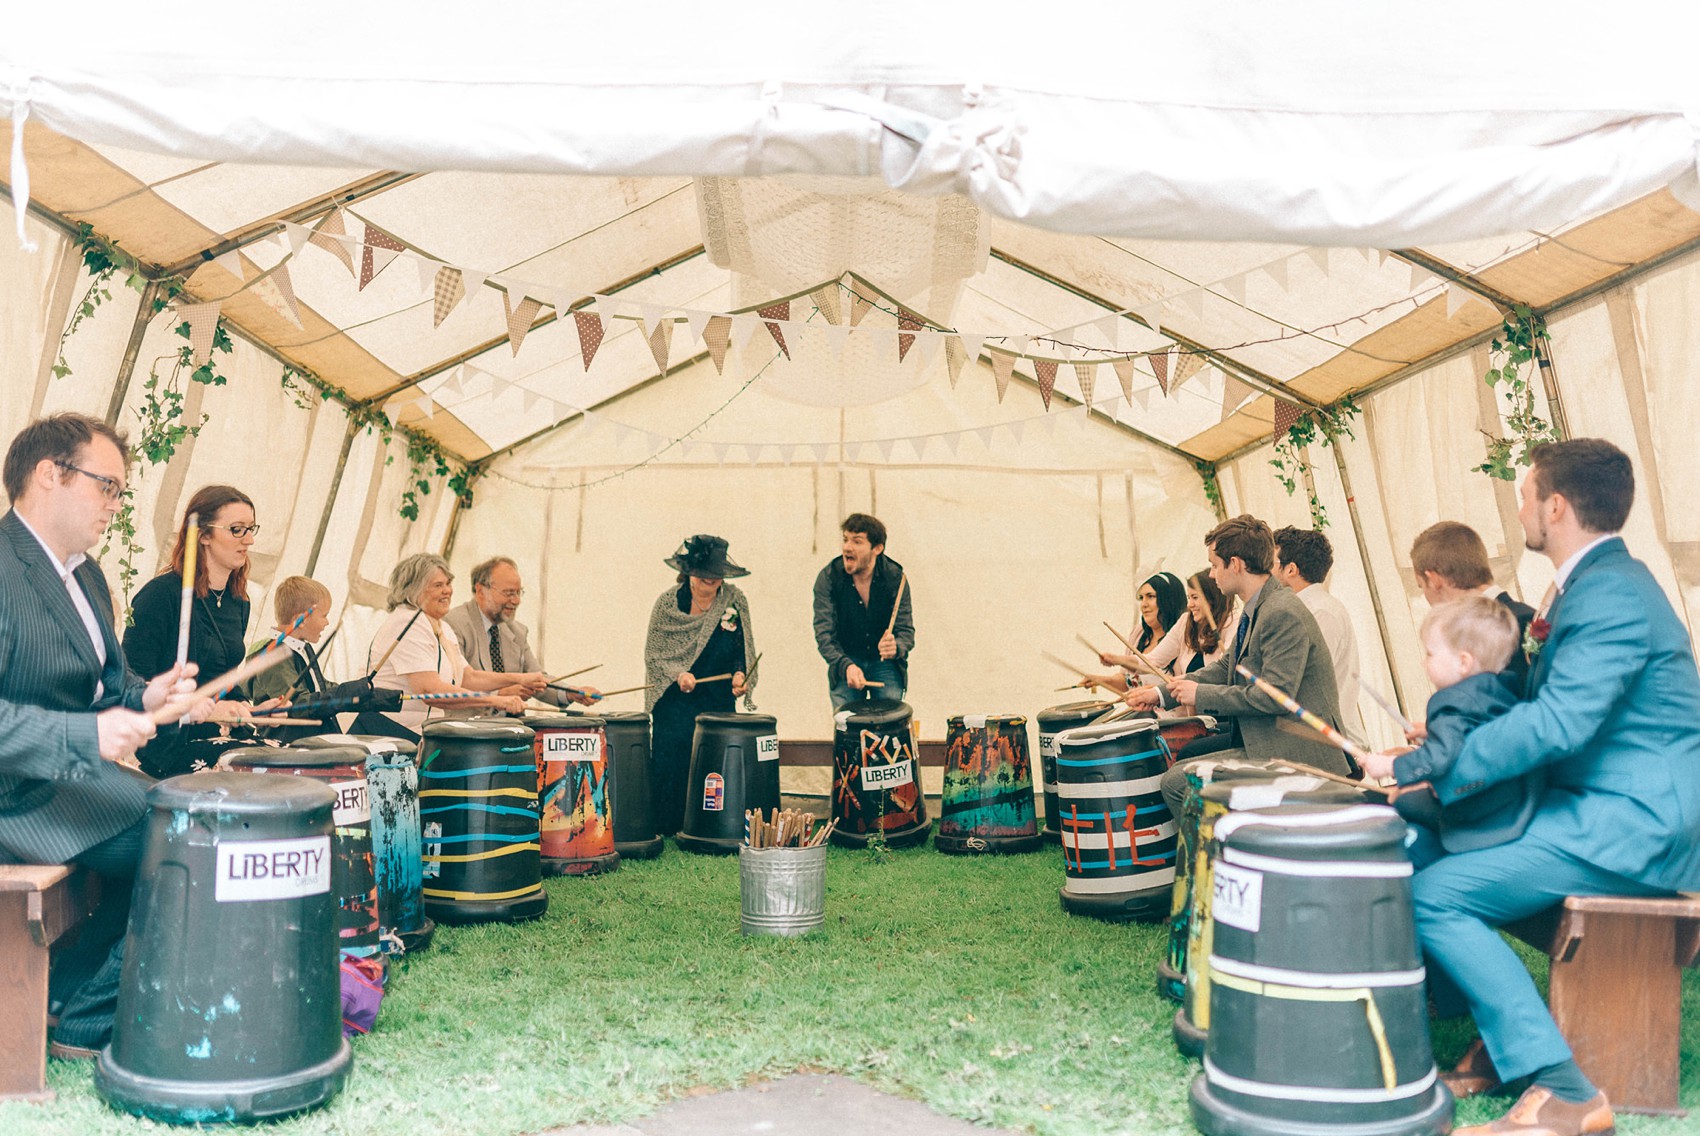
(1613, 717)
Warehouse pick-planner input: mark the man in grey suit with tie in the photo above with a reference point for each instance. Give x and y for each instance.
(71, 713)
(492, 640)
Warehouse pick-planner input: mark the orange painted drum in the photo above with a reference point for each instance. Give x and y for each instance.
(573, 791)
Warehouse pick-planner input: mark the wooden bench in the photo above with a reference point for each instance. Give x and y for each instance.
(1615, 989)
(38, 905)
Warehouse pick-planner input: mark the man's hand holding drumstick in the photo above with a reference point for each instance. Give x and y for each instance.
(122, 732)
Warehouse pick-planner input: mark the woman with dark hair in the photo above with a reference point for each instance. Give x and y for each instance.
(1162, 604)
(698, 628)
(218, 616)
(1201, 634)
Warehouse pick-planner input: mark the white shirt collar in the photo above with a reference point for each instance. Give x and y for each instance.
(64, 569)
(299, 646)
(1569, 566)
(1490, 591)
(488, 622)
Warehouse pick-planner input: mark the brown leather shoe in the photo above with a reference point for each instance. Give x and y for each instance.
(1473, 1074)
(1539, 1113)
(65, 1052)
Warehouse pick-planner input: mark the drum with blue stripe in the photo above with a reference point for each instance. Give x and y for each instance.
(1118, 836)
(482, 838)
(1052, 722)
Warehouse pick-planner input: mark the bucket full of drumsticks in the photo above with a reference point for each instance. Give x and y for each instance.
(782, 872)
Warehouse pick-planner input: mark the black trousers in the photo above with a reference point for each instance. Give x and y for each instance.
(84, 979)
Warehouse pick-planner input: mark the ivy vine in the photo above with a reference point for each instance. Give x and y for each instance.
(1212, 483)
(103, 260)
(1519, 335)
(1325, 425)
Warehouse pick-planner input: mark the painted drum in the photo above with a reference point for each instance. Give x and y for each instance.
(628, 775)
(1052, 722)
(478, 802)
(577, 815)
(987, 803)
(392, 778)
(1320, 1019)
(230, 1000)
(876, 777)
(353, 878)
(1171, 969)
(1178, 732)
(1118, 838)
(734, 767)
(1216, 802)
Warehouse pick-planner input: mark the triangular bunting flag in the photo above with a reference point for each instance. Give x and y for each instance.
(448, 291)
(1234, 392)
(985, 433)
(696, 321)
(745, 327)
(277, 292)
(295, 236)
(1187, 364)
(1124, 375)
(1159, 361)
(954, 357)
(1087, 373)
(1193, 301)
(773, 313)
(1020, 343)
(929, 347)
(380, 251)
(971, 345)
(455, 383)
(589, 335)
(908, 321)
(1109, 327)
(651, 315)
(1143, 398)
(661, 343)
(328, 236)
(837, 338)
(1002, 365)
(1151, 315)
(1319, 257)
(473, 279)
(519, 319)
(1455, 298)
(1046, 370)
(1234, 286)
(717, 335)
(826, 299)
(951, 441)
(859, 307)
(203, 324)
(1286, 416)
(821, 450)
(1276, 270)
(231, 262)
(427, 270)
(884, 446)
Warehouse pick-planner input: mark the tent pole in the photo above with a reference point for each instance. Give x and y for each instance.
(454, 528)
(330, 498)
(1549, 382)
(1369, 574)
(127, 366)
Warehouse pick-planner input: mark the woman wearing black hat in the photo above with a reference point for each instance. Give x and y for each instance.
(697, 629)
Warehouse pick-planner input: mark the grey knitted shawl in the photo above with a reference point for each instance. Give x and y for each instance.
(676, 637)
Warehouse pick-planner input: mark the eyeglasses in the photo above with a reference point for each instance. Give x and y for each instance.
(110, 488)
(506, 593)
(237, 531)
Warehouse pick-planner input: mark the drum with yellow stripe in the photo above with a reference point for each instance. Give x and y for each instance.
(1317, 1003)
(478, 804)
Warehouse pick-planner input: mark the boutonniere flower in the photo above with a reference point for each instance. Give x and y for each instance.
(729, 620)
(1535, 637)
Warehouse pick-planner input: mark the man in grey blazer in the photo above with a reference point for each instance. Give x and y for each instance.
(492, 640)
(71, 713)
(1278, 640)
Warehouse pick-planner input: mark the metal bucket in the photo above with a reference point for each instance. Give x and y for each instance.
(784, 889)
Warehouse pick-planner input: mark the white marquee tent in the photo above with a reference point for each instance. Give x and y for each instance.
(1192, 222)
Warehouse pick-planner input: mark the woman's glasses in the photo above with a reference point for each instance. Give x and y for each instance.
(237, 531)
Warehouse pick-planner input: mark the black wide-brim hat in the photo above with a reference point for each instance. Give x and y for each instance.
(705, 556)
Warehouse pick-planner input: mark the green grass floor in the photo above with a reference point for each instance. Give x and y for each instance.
(960, 983)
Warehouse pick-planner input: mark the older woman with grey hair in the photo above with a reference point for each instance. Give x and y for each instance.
(416, 652)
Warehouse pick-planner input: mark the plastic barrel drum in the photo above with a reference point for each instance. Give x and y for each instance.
(1171, 969)
(478, 801)
(353, 879)
(1316, 994)
(230, 1003)
(734, 767)
(1118, 837)
(987, 804)
(1180, 731)
(1217, 801)
(628, 774)
(876, 779)
(1052, 722)
(392, 777)
(577, 820)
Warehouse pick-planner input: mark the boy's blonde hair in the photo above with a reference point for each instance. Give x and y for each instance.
(1483, 627)
(295, 594)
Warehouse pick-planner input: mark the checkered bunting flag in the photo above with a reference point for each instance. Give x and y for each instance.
(1287, 415)
(779, 311)
(519, 318)
(1046, 370)
(379, 253)
(1187, 364)
(589, 335)
(328, 236)
(203, 326)
(1087, 373)
(1159, 361)
(826, 299)
(448, 290)
(717, 334)
(859, 307)
(955, 355)
(1002, 365)
(907, 321)
(661, 343)
(277, 292)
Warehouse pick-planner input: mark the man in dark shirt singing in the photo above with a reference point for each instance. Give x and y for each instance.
(855, 596)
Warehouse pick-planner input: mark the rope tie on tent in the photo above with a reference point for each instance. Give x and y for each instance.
(978, 151)
(19, 94)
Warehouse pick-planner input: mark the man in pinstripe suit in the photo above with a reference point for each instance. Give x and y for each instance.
(71, 713)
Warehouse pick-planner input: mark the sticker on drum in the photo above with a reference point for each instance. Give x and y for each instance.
(713, 793)
(975, 721)
(352, 805)
(767, 747)
(432, 835)
(250, 870)
(573, 746)
(886, 776)
(1237, 898)
(842, 719)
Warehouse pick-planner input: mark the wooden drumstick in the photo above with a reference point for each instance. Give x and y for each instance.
(1086, 680)
(175, 708)
(191, 545)
(902, 582)
(1329, 734)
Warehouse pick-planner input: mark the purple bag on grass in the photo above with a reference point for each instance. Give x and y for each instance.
(362, 991)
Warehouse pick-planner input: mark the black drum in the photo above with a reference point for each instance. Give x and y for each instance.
(478, 801)
(734, 767)
(629, 788)
(1317, 1002)
(876, 777)
(1118, 837)
(1051, 723)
